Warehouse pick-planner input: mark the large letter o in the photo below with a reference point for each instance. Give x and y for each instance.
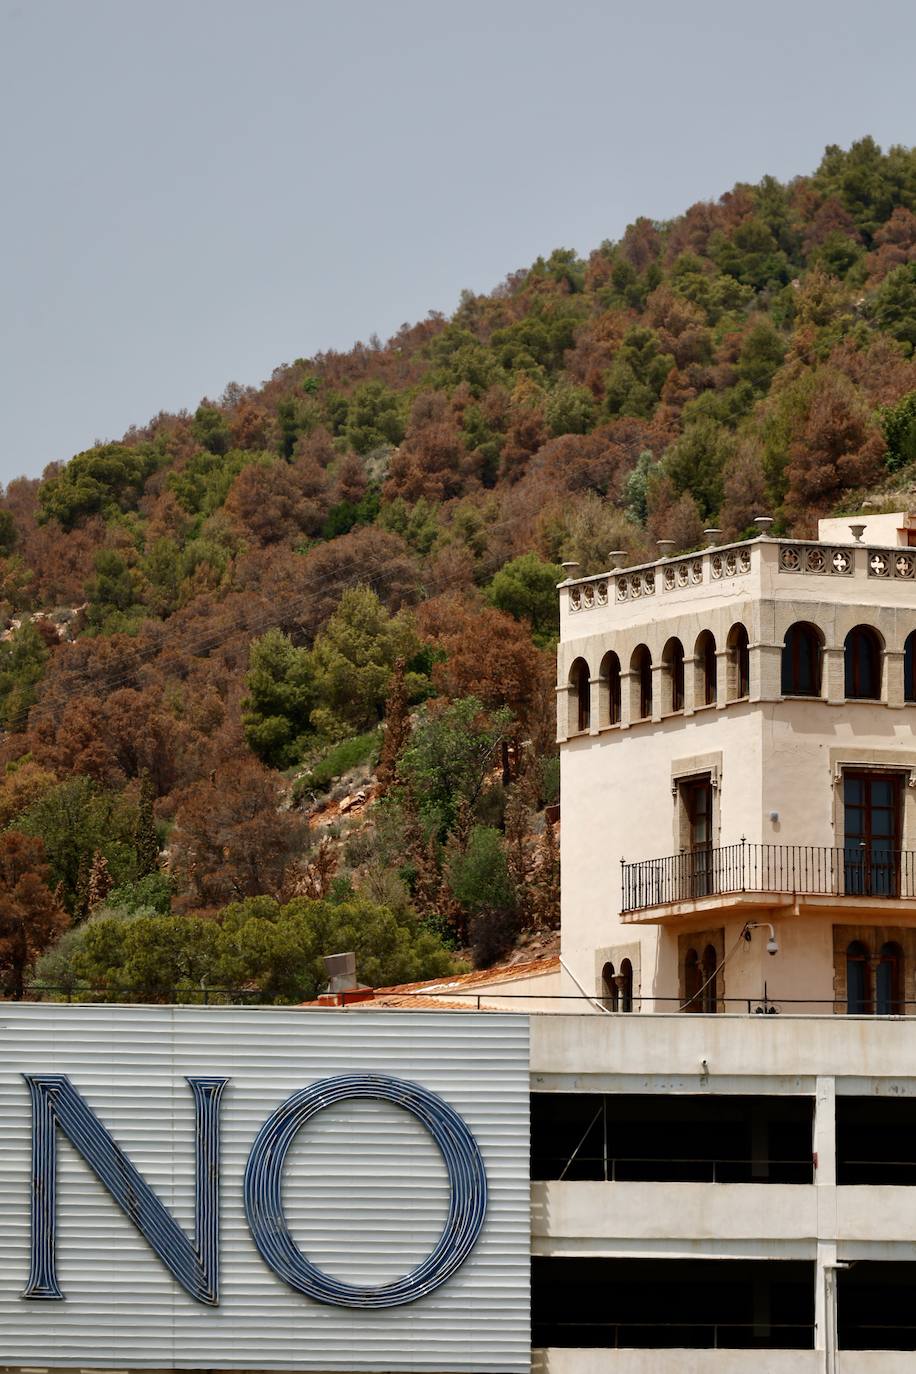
(263, 1186)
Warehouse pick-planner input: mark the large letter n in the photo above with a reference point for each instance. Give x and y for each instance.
(55, 1102)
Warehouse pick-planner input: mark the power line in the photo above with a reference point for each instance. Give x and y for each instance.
(182, 652)
(153, 653)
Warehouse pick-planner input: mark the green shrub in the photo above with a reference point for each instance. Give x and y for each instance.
(349, 753)
(899, 425)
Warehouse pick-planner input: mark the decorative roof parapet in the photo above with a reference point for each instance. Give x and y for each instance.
(837, 561)
(666, 574)
(792, 556)
(823, 560)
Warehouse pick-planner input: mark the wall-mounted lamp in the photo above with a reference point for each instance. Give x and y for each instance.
(774, 816)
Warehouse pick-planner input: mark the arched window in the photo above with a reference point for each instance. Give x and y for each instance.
(708, 970)
(858, 998)
(909, 667)
(641, 670)
(700, 980)
(739, 663)
(609, 990)
(673, 661)
(626, 985)
(692, 980)
(801, 661)
(889, 993)
(580, 691)
(705, 659)
(609, 674)
(862, 658)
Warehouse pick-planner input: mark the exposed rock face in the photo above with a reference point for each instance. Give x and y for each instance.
(63, 619)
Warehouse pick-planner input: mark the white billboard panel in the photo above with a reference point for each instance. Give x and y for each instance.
(263, 1189)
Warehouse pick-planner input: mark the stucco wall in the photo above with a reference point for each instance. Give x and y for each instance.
(617, 802)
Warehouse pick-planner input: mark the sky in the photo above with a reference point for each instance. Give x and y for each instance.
(195, 193)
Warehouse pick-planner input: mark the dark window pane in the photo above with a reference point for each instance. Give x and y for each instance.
(875, 1308)
(694, 1304)
(856, 996)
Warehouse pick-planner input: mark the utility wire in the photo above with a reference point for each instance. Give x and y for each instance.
(153, 653)
(715, 973)
(180, 653)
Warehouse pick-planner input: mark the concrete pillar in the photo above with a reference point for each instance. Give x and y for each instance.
(825, 1180)
(825, 1132)
(825, 1324)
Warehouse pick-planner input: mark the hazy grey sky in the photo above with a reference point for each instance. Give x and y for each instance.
(196, 192)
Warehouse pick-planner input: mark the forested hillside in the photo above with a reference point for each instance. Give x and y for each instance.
(348, 574)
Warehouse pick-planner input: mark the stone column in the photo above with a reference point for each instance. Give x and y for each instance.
(690, 685)
(657, 690)
(765, 671)
(562, 714)
(595, 704)
(833, 675)
(892, 683)
(627, 680)
(722, 697)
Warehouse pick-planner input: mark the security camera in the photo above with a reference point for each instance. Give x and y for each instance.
(772, 943)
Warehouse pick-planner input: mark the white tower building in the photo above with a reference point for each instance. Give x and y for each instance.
(737, 745)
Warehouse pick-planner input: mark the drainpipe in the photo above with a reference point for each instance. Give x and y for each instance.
(831, 1352)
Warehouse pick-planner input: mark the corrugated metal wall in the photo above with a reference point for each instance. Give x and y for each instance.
(365, 1189)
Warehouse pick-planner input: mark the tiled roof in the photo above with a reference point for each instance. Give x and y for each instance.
(432, 993)
(480, 978)
(417, 1002)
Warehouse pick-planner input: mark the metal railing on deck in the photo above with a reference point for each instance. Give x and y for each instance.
(855, 870)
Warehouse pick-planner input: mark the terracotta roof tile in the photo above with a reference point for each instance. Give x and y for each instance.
(499, 973)
(432, 993)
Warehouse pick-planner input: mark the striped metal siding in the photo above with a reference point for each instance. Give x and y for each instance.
(365, 1189)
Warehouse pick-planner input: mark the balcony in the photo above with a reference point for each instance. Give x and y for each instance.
(875, 878)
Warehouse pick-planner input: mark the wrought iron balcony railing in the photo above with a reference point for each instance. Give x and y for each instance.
(855, 870)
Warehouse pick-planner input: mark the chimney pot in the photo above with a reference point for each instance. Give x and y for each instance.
(341, 971)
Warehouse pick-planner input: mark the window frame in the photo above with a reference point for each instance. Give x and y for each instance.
(863, 662)
(707, 668)
(791, 666)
